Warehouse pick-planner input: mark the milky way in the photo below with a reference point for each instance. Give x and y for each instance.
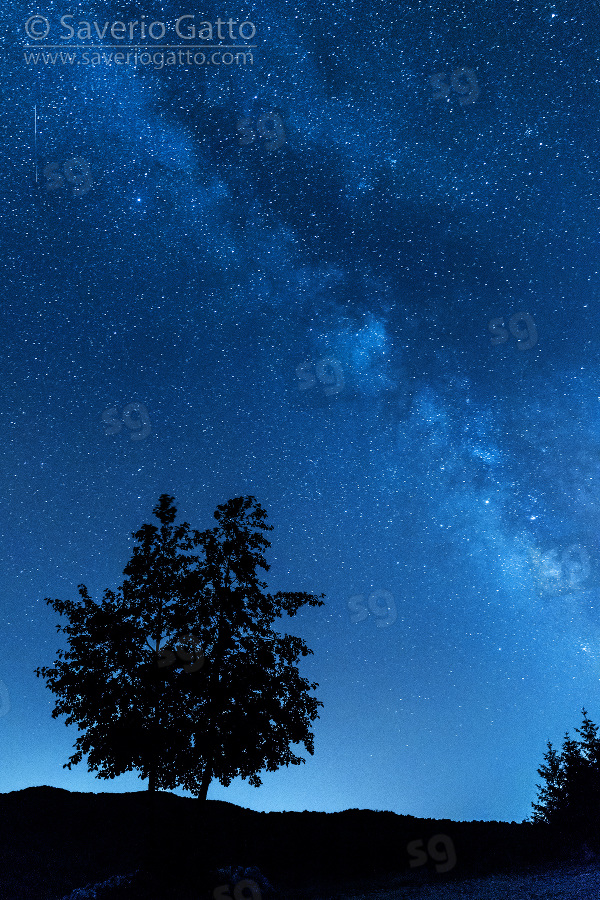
(357, 279)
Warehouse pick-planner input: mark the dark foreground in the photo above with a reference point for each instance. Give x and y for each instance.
(55, 843)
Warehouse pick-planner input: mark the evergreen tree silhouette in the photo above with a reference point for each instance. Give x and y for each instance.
(550, 795)
(569, 800)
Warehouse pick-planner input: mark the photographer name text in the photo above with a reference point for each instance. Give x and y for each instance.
(185, 28)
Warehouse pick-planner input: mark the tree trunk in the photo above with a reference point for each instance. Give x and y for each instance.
(206, 780)
(152, 839)
(206, 872)
(206, 845)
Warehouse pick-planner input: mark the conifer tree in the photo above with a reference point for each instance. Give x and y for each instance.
(570, 798)
(550, 794)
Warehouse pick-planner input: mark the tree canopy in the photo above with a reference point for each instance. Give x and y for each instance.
(178, 674)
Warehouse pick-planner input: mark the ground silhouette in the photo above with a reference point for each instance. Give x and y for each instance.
(55, 841)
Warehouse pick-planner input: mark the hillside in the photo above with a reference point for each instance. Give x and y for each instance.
(55, 841)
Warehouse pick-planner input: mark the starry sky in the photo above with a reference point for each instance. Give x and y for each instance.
(356, 278)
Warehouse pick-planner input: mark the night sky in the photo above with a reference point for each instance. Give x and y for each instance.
(358, 279)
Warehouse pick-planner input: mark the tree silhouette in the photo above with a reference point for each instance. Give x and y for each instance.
(550, 795)
(255, 703)
(152, 707)
(153, 594)
(109, 681)
(570, 798)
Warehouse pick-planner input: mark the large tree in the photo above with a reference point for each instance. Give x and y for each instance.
(110, 681)
(178, 674)
(254, 704)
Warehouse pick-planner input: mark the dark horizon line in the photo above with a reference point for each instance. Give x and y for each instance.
(34, 787)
